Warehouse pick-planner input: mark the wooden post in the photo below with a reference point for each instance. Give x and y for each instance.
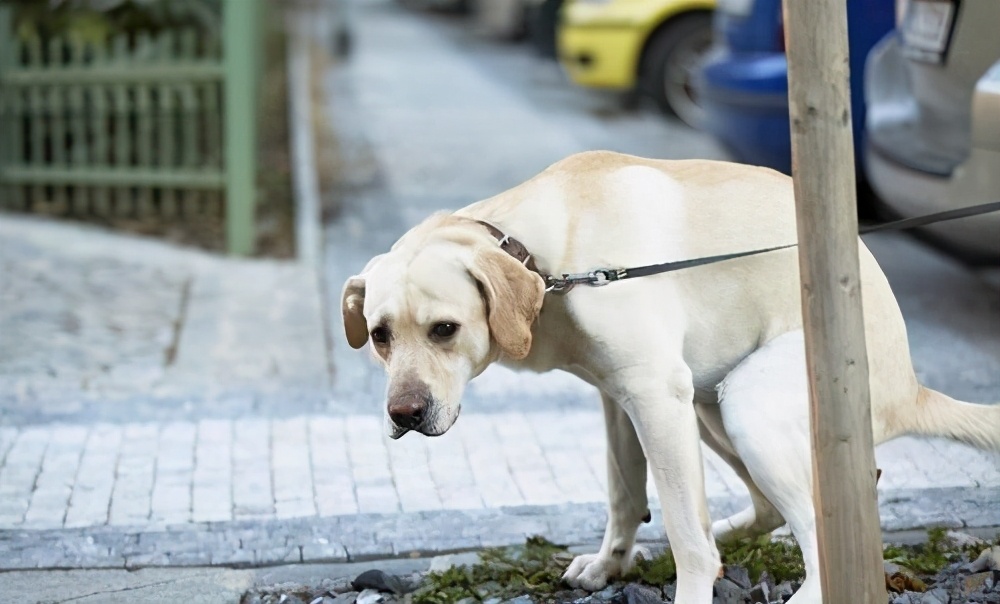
(847, 523)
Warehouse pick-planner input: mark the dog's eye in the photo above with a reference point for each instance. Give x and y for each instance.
(380, 335)
(444, 330)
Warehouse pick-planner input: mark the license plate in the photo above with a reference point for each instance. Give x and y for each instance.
(927, 28)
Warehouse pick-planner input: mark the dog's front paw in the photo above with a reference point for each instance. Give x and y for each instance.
(592, 571)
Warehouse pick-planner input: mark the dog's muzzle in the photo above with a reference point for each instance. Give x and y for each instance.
(409, 409)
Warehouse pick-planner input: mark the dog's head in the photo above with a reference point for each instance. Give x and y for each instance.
(439, 307)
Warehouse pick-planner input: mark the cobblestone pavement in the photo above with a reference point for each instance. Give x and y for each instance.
(102, 326)
(166, 407)
(253, 491)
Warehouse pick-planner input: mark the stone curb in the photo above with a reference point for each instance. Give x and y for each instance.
(379, 536)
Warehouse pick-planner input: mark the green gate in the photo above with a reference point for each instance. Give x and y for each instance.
(151, 124)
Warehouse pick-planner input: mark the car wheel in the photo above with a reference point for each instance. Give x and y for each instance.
(669, 64)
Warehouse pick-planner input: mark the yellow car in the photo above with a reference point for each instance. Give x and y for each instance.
(650, 46)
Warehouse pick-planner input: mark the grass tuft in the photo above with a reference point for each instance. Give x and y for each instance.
(534, 569)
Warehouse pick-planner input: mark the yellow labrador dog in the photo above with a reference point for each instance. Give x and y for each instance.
(712, 353)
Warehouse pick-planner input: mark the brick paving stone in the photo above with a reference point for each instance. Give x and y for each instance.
(905, 473)
(524, 453)
(17, 477)
(944, 468)
(452, 474)
(490, 470)
(8, 435)
(980, 467)
(54, 483)
(331, 467)
(370, 465)
(147, 560)
(253, 494)
(135, 474)
(369, 551)
(91, 497)
(564, 451)
(409, 459)
(170, 502)
(211, 494)
(597, 462)
(324, 551)
(325, 469)
(291, 469)
(236, 557)
(720, 480)
(277, 555)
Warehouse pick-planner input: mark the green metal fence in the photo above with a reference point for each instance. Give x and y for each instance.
(145, 125)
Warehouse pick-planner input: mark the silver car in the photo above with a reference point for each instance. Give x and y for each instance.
(932, 90)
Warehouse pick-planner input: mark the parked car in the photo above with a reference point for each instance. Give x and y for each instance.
(542, 18)
(933, 127)
(651, 46)
(501, 19)
(743, 85)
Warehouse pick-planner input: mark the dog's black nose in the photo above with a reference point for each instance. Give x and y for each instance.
(407, 411)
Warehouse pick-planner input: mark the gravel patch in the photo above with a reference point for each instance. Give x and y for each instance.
(965, 579)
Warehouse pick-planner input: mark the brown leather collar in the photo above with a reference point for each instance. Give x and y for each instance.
(513, 247)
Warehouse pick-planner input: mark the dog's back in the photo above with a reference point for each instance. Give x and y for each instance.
(624, 213)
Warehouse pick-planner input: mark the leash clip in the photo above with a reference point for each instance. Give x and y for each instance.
(595, 278)
(556, 285)
(603, 276)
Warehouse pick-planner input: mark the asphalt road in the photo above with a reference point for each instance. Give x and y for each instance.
(429, 116)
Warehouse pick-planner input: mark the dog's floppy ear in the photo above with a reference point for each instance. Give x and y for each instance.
(352, 305)
(513, 296)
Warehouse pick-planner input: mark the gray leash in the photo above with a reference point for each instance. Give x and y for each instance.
(603, 276)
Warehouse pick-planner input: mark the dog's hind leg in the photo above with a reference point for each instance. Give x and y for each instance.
(760, 517)
(627, 507)
(765, 411)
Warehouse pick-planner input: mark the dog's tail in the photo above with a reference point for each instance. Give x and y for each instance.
(938, 414)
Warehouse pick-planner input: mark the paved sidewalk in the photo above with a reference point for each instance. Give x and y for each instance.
(153, 476)
(255, 491)
(98, 325)
(164, 407)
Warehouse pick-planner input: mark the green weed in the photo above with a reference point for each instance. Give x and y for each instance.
(934, 555)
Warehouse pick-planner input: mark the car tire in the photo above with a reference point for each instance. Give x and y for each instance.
(669, 63)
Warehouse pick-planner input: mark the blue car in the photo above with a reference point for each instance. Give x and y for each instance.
(743, 85)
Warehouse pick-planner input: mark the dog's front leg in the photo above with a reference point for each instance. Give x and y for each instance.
(627, 505)
(663, 413)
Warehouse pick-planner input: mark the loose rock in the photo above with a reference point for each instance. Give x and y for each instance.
(380, 581)
(958, 539)
(727, 592)
(738, 575)
(760, 594)
(337, 586)
(935, 596)
(439, 564)
(641, 594)
(370, 596)
(977, 582)
(783, 591)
